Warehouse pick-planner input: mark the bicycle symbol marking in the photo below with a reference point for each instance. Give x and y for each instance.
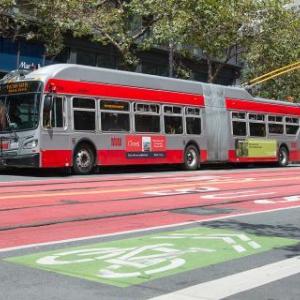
(146, 260)
(163, 257)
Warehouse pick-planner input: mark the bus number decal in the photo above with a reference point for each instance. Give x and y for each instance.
(116, 141)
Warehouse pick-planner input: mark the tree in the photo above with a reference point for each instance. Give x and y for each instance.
(33, 20)
(217, 27)
(11, 23)
(169, 27)
(263, 33)
(276, 45)
(103, 21)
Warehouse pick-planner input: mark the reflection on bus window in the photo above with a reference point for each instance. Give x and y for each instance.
(84, 114)
(147, 123)
(238, 115)
(151, 108)
(115, 115)
(291, 129)
(275, 128)
(173, 125)
(83, 103)
(55, 115)
(115, 121)
(257, 129)
(193, 125)
(172, 110)
(239, 128)
(84, 120)
(256, 117)
(23, 111)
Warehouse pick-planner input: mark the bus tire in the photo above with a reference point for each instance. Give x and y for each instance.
(83, 160)
(283, 157)
(191, 158)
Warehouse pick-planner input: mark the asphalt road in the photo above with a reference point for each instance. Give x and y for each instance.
(209, 234)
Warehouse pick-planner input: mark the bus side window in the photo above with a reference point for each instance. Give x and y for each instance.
(53, 112)
(173, 119)
(257, 129)
(292, 125)
(84, 114)
(275, 125)
(193, 120)
(115, 115)
(147, 117)
(239, 127)
(257, 125)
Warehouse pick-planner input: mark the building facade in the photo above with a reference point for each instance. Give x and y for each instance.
(14, 54)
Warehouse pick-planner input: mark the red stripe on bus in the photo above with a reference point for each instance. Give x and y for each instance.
(203, 155)
(294, 155)
(239, 104)
(56, 158)
(233, 158)
(63, 158)
(122, 92)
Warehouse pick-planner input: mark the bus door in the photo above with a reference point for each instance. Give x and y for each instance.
(55, 138)
(217, 130)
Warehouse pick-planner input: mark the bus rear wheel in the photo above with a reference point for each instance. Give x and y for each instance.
(191, 158)
(283, 157)
(84, 160)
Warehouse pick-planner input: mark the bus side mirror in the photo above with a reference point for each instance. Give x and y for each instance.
(47, 111)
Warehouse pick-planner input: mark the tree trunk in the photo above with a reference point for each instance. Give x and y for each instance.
(171, 60)
(210, 75)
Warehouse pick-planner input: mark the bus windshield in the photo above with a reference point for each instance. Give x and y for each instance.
(21, 111)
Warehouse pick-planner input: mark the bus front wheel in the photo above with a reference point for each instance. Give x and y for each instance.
(191, 158)
(283, 157)
(84, 160)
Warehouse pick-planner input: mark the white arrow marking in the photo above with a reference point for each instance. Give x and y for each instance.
(227, 238)
(235, 195)
(285, 200)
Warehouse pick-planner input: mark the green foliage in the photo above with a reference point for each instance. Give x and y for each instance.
(276, 45)
(263, 33)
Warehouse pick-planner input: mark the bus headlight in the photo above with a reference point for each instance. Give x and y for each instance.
(30, 144)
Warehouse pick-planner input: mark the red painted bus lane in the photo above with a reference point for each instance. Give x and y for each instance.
(64, 214)
(81, 193)
(70, 210)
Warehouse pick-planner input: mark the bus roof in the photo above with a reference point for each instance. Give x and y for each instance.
(81, 73)
(109, 76)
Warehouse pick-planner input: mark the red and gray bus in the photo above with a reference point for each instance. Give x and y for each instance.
(80, 117)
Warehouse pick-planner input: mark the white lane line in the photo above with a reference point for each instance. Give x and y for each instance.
(120, 233)
(237, 283)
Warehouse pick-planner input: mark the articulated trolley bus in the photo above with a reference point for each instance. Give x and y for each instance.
(79, 117)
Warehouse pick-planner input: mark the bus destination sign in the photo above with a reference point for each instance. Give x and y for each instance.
(19, 87)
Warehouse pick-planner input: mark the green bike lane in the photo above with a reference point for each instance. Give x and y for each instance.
(144, 266)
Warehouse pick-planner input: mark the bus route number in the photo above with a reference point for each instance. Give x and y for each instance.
(116, 142)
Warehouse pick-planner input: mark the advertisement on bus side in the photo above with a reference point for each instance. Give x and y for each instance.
(255, 148)
(145, 146)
